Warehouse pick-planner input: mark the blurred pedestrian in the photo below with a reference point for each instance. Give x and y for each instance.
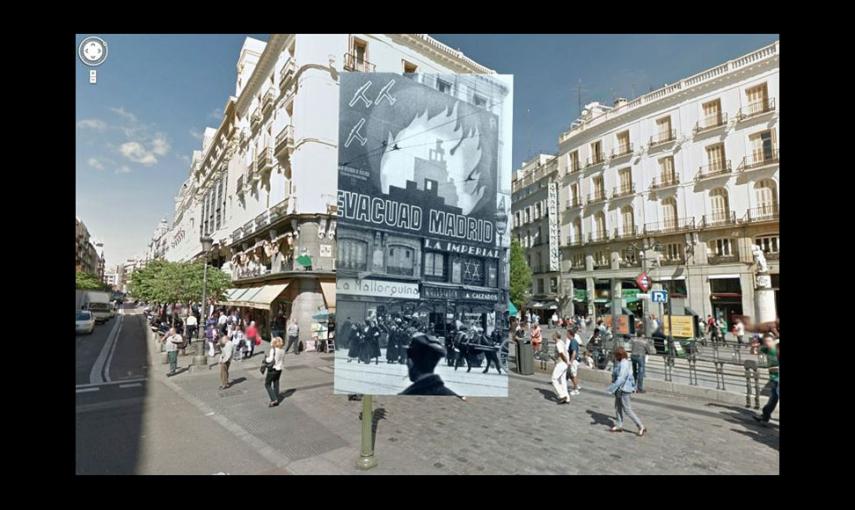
(573, 342)
(226, 351)
(172, 341)
(559, 371)
(622, 387)
(190, 327)
(293, 337)
(274, 360)
(739, 332)
(536, 337)
(641, 348)
(252, 338)
(772, 351)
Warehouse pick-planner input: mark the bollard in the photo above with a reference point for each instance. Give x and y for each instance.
(366, 457)
(693, 370)
(719, 375)
(756, 389)
(750, 367)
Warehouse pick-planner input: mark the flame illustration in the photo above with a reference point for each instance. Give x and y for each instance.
(424, 138)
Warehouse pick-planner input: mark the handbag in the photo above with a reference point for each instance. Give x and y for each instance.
(267, 364)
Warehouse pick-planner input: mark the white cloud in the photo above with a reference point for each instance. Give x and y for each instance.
(195, 133)
(136, 152)
(216, 114)
(94, 163)
(98, 125)
(124, 169)
(121, 112)
(160, 145)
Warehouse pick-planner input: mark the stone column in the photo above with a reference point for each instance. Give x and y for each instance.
(764, 299)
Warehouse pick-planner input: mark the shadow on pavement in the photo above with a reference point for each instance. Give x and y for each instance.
(600, 418)
(762, 435)
(235, 382)
(379, 414)
(287, 393)
(181, 370)
(548, 394)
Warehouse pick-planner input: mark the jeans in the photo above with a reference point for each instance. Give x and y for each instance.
(638, 370)
(191, 333)
(773, 401)
(559, 380)
(172, 357)
(271, 383)
(624, 406)
(292, 340)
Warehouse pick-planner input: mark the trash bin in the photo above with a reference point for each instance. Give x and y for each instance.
(525, 358)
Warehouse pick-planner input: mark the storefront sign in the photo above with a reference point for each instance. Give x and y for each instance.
(622, 325)
(440, 293)
(552, 207)
(631, 295)
(480, 296)
(580, 295)
(684, 326)
(465, 249)
(377, 288)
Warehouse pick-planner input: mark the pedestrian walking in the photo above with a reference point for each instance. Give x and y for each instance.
(622, 387)
(227, 349)
(241, 344)
(222, 321)
(252, 338)
(559, 371)
(739, 332)
(273, 364)
(190, 325)
(172, 341)
(772, 351)
(641, 348)
(293, 337)
(536, 337)
(573, 343)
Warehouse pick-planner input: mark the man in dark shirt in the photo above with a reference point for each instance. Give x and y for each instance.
(423, 355)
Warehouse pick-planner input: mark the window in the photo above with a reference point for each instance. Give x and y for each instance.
(663, 129)
(540, 286)
(538, 238)
(553, 285)
(435, 265)
(715, 158)
(712, 114)
(472, 271)
(601, 258)
(527, 214)
(629, 256)
(673, 251)
(360, 50)
(579, 261)
(599, 188)
(767, 199)
(409, 67)
(719, 205)
(625, 178)
(443, 86)
(574, 161)
(627, 221)
(596, 152)
(762, 147)
(577, 230)
(758, 99)
(666, 170)
(537, 211)
(719, 247)
(599, 225)
(669, 213)
(769, 244)
(492, 273)
(352, 254)
(399, 260)
(479, 101)
(517, 219)
(574, 194)
(622, 142)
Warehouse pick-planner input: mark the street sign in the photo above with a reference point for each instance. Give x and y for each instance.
(643, 282)
(659, 296)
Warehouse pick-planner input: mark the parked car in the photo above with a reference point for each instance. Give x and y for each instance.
(85, 321)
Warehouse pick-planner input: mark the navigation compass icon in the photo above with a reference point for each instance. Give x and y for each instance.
(92, 51)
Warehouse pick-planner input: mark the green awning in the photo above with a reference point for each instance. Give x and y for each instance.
(304, 260)
(512, 310)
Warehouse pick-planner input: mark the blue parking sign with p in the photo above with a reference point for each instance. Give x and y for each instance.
(659, 296)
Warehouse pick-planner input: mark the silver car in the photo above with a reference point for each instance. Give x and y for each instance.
(85, 322)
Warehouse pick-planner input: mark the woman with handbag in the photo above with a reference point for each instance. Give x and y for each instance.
(273, 366)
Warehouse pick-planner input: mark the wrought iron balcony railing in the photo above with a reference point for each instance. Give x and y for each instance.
(592, 162)
(663, 138)
(762, 213)
(598, 237)
(355, 63)
(264, 160)
(756, 108)
(623, 191)
(759, 160)
(714, 169)
(718, 219)
(723, 259)
(597, 196)
(626, 233)
(267, 100)
(286, 74)
(711, 122)
(622, 151)
(574, 203)
(285, 141)
(665, 182)
(670, 226)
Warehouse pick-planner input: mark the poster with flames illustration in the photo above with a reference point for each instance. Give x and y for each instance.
(422, 237)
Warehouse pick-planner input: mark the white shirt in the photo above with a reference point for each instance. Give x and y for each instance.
(221, 320)
(276, 355)
(191, 320)
(739, 329)
(172, 342)
(226, 351)
(561, 346)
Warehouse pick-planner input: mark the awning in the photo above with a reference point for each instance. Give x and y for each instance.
(328, 289)
(512, 310)
(254, 297)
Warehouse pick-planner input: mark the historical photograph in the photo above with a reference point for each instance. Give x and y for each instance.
(423, 203)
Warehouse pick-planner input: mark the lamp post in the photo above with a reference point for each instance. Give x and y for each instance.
(201, 359)
(501, 228)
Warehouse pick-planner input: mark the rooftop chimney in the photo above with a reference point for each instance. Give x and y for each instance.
(620, 102)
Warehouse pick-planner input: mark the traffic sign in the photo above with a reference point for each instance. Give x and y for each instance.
(659, 296)
(643, 281)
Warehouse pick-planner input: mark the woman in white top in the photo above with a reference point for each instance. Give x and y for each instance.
(271, 382)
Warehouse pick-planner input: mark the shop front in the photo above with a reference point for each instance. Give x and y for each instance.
(261, 304)
(725, 298)
(449, 303)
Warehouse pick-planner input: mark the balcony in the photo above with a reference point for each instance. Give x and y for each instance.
(267, 101)
(285, 142)
(717, 169)
(758, 160)
(663, 138)
(255, 119)
(264, 160)
(622, 152)
(756, 109)
(626, 233)
(665, 182)
(354, 63)
(670, 226)
(624, 264)
(711, 123)
(596, 161)
(762, 213)
(723, 259)
(286, 75)
(676, 261)
(575, 166)
(773, 255)
(598, 237)
(574, 203)
(623, 191)
(574, 241)
(598, 196)
(718, 219)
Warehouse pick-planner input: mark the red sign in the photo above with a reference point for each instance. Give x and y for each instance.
(643, 282)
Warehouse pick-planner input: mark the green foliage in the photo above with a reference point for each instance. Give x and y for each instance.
(166, 282)
(520, 275)
(86, 281)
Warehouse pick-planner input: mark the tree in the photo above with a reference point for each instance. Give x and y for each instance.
(520, 275)
(88, 281)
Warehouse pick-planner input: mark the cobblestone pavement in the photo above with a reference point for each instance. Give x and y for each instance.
(317, 432)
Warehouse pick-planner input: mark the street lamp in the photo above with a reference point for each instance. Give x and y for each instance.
(201, 359)
(501, 228)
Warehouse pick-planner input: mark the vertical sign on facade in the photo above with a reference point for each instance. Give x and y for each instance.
(420, 234)
(554, 234)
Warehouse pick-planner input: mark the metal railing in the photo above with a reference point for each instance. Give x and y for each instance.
(286, 73)
(622, 152)
(758, 160)
(663, 138)
(667, 182)
(752, 109)
(574, 203)
(714, 169)
(264, 159)
(354, 63)
(592, 162)
(285, 140)
(711, 122)
(267, 100)
(626, 232)
(670, 226)
(717, 219)
(597, 237)
(762, 213)
(623, 191)
(596, 197)
(723, 259)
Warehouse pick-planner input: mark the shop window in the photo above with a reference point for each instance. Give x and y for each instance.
(352, 254)
(435, 265)
(400, 260)
(472, 271)
(725, 285)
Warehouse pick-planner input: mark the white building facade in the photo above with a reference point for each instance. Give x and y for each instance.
(264, 184)
(690, 169)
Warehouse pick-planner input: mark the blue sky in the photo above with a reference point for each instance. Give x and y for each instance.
(137, 127)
